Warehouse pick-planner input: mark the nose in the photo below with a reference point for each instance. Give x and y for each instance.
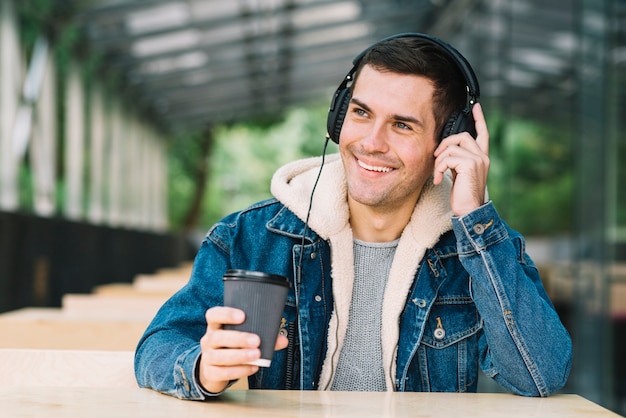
(376, 139)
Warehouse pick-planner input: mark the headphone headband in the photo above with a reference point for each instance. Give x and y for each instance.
(466, 69)
(341, 98)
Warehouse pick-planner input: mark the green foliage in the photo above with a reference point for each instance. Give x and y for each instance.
(243, 159)
(531, 180)
(246, 156)
(26, 195)
(182, 163)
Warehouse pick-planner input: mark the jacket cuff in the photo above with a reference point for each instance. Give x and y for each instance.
(198, 385)
(187, 385)
(479, 229)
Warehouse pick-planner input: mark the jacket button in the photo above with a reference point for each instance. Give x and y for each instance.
(440, 333)
(313, 256)
(318, 298)
(283, 332)
(479, 229)
(421, 303)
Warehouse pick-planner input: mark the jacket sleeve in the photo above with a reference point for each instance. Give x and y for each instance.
(168, 353)
(524, 347)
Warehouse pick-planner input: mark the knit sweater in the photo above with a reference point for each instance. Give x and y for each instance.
(360, 365)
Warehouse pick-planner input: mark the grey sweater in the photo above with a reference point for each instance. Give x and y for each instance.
(360, 366)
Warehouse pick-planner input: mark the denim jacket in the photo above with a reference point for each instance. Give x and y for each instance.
(462, 294)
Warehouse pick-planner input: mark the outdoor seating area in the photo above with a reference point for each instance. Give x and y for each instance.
(89, 341)
(112, 317)
(85, 348)
(140, 135)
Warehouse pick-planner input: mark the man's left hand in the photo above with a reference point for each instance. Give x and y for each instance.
(468, 159)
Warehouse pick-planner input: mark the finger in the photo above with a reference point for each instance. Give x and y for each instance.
(216, 378)
(442, 153)
(463, 139)
(230, 356)
(220, 315)
(281, 342)
(457, 157)
(226, 374)
(482, 133)
(229, 348)
(443, 163)
(222, 338)
(455, 153)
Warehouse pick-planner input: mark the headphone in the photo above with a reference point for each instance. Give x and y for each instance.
(459, 121)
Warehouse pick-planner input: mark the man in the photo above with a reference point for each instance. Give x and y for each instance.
(404, 277)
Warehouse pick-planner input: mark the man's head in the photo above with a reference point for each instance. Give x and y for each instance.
(423, 55)
(391, 120)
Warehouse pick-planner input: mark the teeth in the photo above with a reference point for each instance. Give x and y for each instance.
(373, 168)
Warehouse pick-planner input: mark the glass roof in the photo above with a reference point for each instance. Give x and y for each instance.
(199, 62)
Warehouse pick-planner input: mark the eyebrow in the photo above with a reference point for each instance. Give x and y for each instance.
(399, 118)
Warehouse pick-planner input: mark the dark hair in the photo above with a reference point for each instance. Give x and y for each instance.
(412, 55)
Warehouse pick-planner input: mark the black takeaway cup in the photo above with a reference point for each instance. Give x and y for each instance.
(262, 297)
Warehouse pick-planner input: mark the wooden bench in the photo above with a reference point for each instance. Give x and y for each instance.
(130, 290)
(52, 328)
(71, 368)
(182, 270)
(49, 335)
(112, 306)
(159, 283)
(66, 368)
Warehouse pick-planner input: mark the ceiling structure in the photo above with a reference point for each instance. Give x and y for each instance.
(200, 62)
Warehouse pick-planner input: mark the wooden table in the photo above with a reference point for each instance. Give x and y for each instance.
(121, 403)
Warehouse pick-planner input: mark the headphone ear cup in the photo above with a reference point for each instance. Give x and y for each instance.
(459, 122)
(337, 114)
(450, 126)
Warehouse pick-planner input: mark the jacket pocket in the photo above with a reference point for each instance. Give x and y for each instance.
(451, 319)
(449, 347)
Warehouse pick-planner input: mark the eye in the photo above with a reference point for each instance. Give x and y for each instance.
(360, 112)
(402, 125)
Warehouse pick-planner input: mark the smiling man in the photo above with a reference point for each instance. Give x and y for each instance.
(387, 146)
(404, 277)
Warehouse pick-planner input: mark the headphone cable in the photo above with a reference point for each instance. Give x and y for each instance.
(308, 214)
(299, 266)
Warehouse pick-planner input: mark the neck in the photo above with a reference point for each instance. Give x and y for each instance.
(372, 224)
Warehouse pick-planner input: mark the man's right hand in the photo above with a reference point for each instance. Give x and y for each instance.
(226, 352)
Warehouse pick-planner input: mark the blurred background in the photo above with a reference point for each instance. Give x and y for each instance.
(129, 126)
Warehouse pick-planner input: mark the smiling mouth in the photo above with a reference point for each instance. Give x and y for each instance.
(374, 168)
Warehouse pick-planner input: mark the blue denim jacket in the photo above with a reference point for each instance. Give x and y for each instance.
(477, 281)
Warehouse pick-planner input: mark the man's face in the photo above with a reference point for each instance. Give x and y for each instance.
(388, 139)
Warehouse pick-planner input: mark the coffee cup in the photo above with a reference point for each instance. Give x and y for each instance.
(262, 297)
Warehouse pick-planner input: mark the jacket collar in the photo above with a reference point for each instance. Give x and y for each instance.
(292, 185)
(283, 223)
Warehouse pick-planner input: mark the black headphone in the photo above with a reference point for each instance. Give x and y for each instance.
(460, 121)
